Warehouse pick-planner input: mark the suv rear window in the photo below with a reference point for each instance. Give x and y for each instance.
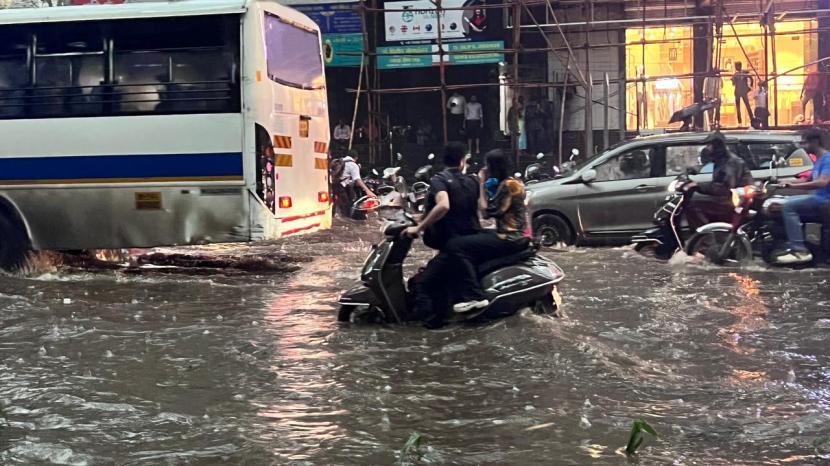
(758, 155)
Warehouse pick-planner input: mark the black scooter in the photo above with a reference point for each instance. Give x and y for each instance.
(666, 237)
(510, 283)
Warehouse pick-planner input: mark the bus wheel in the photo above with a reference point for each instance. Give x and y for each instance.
(14, 244)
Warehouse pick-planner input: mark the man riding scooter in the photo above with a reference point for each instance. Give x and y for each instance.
(729, 172)
(452, 210)
(811, 206)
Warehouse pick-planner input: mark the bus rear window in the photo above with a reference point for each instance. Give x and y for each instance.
(292, 54)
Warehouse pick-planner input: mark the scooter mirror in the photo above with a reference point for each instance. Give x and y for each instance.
(540, 156)
(430, 156)
(517, 175)
(375, 172)
(574, 152)
(400, 156)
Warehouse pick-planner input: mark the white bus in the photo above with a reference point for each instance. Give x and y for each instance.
(148, 124)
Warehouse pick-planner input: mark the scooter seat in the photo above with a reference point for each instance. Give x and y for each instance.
(504, 261)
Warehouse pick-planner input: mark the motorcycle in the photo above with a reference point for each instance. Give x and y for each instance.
(758, 229)
(510, 283)
(536, 173)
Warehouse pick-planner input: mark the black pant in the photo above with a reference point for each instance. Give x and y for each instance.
(762, 114)
(432, 302)
(344, 197)
(468, 252)
(701, 212)
(745, 99)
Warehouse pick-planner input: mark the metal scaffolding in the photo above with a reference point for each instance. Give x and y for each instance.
(566, 27)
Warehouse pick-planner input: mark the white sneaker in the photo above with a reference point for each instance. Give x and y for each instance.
(793, 257)
(470, 306)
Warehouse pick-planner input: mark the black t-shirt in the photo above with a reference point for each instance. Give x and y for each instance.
(462, 219)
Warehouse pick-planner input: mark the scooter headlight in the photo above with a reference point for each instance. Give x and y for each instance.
(736, 198)
(672, 186)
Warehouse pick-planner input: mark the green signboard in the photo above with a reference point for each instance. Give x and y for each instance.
(388, 58)
(334, 46)
(394, 57)
(476, 58)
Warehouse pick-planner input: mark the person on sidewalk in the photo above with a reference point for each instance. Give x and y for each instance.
(761, 106)
(742, 82)
(473, 124)
(812, 206)
(507, 207)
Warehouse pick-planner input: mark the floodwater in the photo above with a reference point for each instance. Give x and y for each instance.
(101, 367)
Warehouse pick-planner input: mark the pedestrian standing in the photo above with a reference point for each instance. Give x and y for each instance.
(342, 134)
(535, 125)
(457, 105)
(761, 106)
(712, 85)
(742, 82)
(813, 91)
(473, 124)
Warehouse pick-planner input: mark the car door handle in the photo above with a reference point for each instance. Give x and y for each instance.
(643, 187)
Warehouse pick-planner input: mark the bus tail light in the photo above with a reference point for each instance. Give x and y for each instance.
(323, 196)
(285, 202)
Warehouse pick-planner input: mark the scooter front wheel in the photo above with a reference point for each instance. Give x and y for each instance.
(360, 314)
(712, 245)
(652, 250)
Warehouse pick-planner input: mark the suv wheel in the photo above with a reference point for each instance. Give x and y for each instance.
(14, 244)
(550, 230)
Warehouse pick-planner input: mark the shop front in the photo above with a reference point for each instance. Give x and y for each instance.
(659, 72)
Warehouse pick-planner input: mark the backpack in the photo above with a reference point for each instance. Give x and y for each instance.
(336, 168)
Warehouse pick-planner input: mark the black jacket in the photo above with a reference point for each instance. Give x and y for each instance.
(730, 172)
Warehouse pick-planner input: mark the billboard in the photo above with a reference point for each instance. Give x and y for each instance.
(418, 21)
(411, 29)
(341, 29)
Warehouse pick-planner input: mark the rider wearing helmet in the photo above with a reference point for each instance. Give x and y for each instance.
(729, 172)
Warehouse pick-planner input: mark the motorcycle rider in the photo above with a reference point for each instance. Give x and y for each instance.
(729, 172)
(797, 208)
(452, 210)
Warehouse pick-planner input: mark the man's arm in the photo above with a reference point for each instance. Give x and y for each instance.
(365, 188)
(823, 181)
(442, 206)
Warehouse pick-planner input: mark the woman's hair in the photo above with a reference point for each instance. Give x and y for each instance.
(498, 165)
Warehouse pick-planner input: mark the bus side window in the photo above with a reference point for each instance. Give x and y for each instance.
(175, 67)
(14, 75)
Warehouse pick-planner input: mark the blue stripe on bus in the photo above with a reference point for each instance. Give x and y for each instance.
(224, 164)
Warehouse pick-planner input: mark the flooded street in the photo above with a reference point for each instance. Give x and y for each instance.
(729, 366)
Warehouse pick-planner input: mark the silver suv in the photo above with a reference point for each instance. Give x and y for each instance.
(612, 196)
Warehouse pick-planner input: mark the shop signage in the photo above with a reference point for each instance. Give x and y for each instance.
(341, 29)
(394, 57)
(418, 21)
(413, 27)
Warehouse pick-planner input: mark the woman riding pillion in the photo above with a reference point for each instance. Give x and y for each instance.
(502, 198)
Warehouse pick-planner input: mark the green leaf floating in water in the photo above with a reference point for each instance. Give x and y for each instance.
(636, 438)
(413, 442)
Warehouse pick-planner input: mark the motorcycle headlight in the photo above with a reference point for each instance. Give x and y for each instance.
(736, 198)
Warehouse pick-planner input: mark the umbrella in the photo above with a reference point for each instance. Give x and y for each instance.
(687, 112)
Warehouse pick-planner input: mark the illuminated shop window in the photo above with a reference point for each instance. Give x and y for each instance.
(796, 44)
(666, 63)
